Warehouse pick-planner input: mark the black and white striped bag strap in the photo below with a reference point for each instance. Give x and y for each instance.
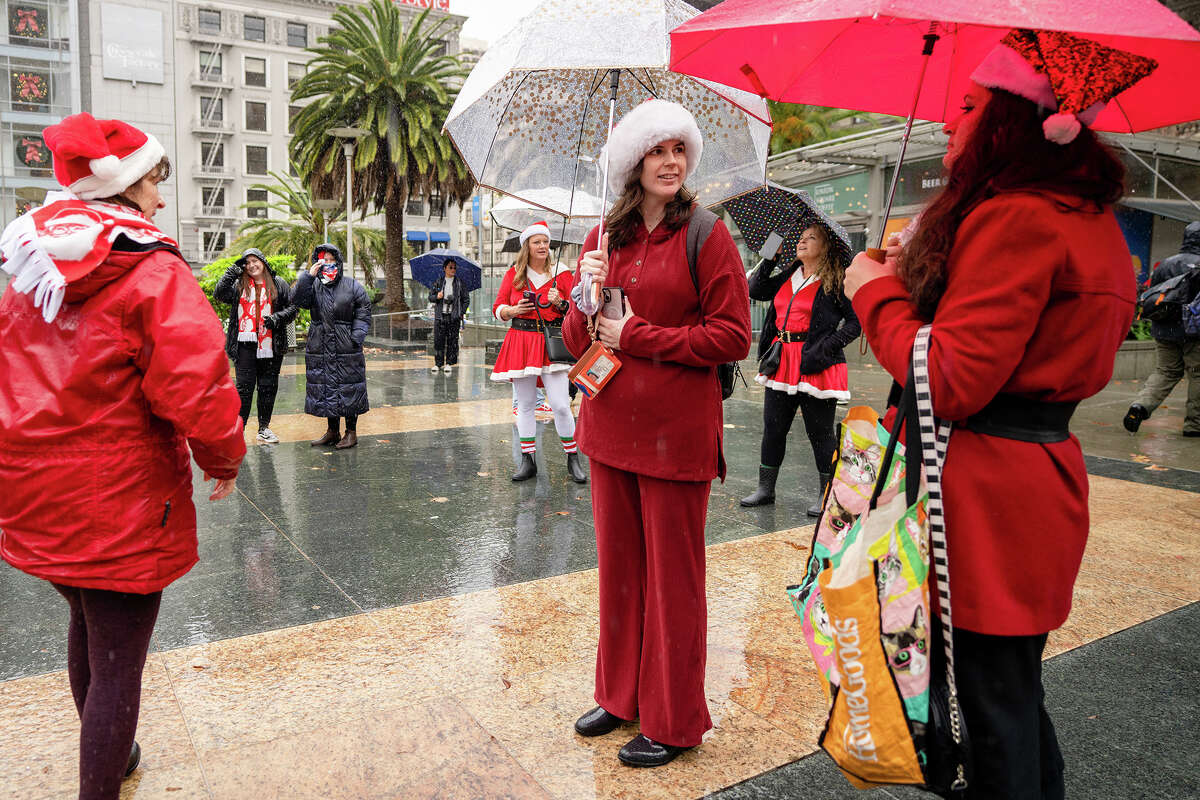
(935, 437)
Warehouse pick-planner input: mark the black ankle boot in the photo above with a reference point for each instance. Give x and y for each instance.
(574, 469)
(135, 758)
(764, 495)
(597, 722)
(815, 509)
(642, 751)
(527, 468)
(1134, 416)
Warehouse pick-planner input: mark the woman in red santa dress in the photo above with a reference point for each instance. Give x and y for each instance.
(113, 379)
(532, 297)
(653, 433)
(1021, 268)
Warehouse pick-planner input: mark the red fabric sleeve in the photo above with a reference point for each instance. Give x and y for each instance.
(723, 333)
(504, 293)
(175, 339)
(1002, 266)
(575, 333)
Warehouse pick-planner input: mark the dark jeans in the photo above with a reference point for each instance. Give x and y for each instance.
(107, 640)
(445, 340)
(250, 370)
(1013, 745)
(779, 410)
(351, 422)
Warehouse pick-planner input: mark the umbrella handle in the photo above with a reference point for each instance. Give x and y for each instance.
(614, 80)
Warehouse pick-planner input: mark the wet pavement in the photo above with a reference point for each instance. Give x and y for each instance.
(430, 625)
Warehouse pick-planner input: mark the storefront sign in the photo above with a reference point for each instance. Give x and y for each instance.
(841, 195)
(440, 5)
(132, 43)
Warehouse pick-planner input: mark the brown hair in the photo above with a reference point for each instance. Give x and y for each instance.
(829, 272)
(161, 171)
(1007, 152)
(245, 280)
(522, 263)
(622, 220)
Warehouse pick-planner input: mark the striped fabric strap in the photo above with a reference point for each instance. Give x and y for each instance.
(935, 438)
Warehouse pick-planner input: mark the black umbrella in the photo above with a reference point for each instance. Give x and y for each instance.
(788, 212)
(513, 243)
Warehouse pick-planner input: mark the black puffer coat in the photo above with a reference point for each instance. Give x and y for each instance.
(285, 311)
(833, 324)
(335, 366)
(1187, 258)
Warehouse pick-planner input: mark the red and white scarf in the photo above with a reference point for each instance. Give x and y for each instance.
(63, 240)
(254, 305)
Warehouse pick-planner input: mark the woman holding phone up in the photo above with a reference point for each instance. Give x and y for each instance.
(532, 298)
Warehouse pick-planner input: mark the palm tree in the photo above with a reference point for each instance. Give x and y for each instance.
(299, 227)
(372, 73)
(797, 125)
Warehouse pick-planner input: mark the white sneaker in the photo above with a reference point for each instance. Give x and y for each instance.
(433, 369)
(267, 436)
(447, 369)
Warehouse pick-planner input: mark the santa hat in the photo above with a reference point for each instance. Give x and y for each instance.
(535, 229)
(651, 122)
(1068, 74)
(96, 158)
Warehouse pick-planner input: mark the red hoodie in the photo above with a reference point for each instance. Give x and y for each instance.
(98, 410)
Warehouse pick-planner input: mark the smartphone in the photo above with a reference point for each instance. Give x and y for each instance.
(771, 247)
(530, 296)
(613, 305)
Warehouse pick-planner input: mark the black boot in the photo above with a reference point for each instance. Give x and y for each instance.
(1134, 416)
(527, 469)
(815, 509)
(642, 751)
(135, 758)
(764, 495)
(574, 469)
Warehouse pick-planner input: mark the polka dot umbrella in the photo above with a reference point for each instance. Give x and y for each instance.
(788, 212)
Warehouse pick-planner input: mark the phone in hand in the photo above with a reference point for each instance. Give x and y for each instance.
(771, 246)
(529, 296)
(613, 302)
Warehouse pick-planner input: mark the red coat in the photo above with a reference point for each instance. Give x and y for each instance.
(97, 412)
(661, 415)
(509, 295)
(1037, 302)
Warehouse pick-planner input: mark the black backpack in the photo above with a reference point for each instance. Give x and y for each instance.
(1164, 302)
(698, 229)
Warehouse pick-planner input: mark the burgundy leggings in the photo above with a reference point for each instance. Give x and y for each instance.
(106, 650)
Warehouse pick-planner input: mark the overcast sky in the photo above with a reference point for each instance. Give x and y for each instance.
(490, 19)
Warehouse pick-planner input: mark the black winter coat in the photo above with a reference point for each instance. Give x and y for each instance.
(1187, 258)
(334, 364)
(833, 324)
(226, 291)
(458, 308)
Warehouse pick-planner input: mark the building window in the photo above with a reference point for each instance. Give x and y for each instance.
(297, 34)
(214, 243)
(212, 109)
(212, 197)
(437, 208)
(295, 73)
(212, 154)
(254, 29)
(440, 49)
(210, 65)
(210, 21)
(415, 205)
(30, 90)
(256, 116)
(292, 112)
(255, 71)
(256, 196)
(256, 159)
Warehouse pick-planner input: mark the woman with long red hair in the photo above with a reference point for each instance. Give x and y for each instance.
(1021, 268)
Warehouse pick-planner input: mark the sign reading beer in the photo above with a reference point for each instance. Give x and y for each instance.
(440, 5)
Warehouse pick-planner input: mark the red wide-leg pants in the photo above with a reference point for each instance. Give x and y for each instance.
(653, 617)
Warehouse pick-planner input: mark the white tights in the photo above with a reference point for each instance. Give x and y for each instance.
(557, 396)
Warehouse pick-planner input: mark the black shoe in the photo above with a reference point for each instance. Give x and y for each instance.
(764, 495)
(1191, 434)
(574, 469)
(597, 722)
(815, 509)
(527, 469)
(135, 758)
(643, 752)
(1134, 416)
(331, 437)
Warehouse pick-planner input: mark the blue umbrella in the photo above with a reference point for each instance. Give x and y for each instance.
(788, 212)
(427, 268)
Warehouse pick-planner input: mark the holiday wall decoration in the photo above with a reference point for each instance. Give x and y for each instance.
(27, 21)
(30, 91)
(32, 151)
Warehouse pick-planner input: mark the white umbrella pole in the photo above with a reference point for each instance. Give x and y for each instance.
(614, 79)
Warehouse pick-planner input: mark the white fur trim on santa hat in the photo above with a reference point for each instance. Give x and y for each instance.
(112, 175)
(535, 229)
(651, 122)
(1061, 128)
(1005, 68)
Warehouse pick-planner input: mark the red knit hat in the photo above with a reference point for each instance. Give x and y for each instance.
(100, 157)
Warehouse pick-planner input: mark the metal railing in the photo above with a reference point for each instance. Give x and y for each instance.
(409, 327)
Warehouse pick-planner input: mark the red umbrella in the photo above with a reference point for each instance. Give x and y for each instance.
(870, 55)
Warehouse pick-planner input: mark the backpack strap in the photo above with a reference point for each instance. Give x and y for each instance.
(698, 228)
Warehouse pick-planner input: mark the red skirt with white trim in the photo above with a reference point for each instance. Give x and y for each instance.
(523, 354)
(833, 382)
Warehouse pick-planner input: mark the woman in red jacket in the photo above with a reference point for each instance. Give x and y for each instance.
(531, 298)
(111, 368)
(1021, 268)
(653, 434)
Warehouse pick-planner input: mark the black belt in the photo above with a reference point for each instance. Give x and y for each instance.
(522, 324)
(793, 336)
(1012, 417)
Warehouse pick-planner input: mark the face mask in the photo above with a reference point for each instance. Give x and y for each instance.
(329, 273)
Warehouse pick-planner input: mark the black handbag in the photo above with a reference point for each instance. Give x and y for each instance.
(556, 348)
(768, 362)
